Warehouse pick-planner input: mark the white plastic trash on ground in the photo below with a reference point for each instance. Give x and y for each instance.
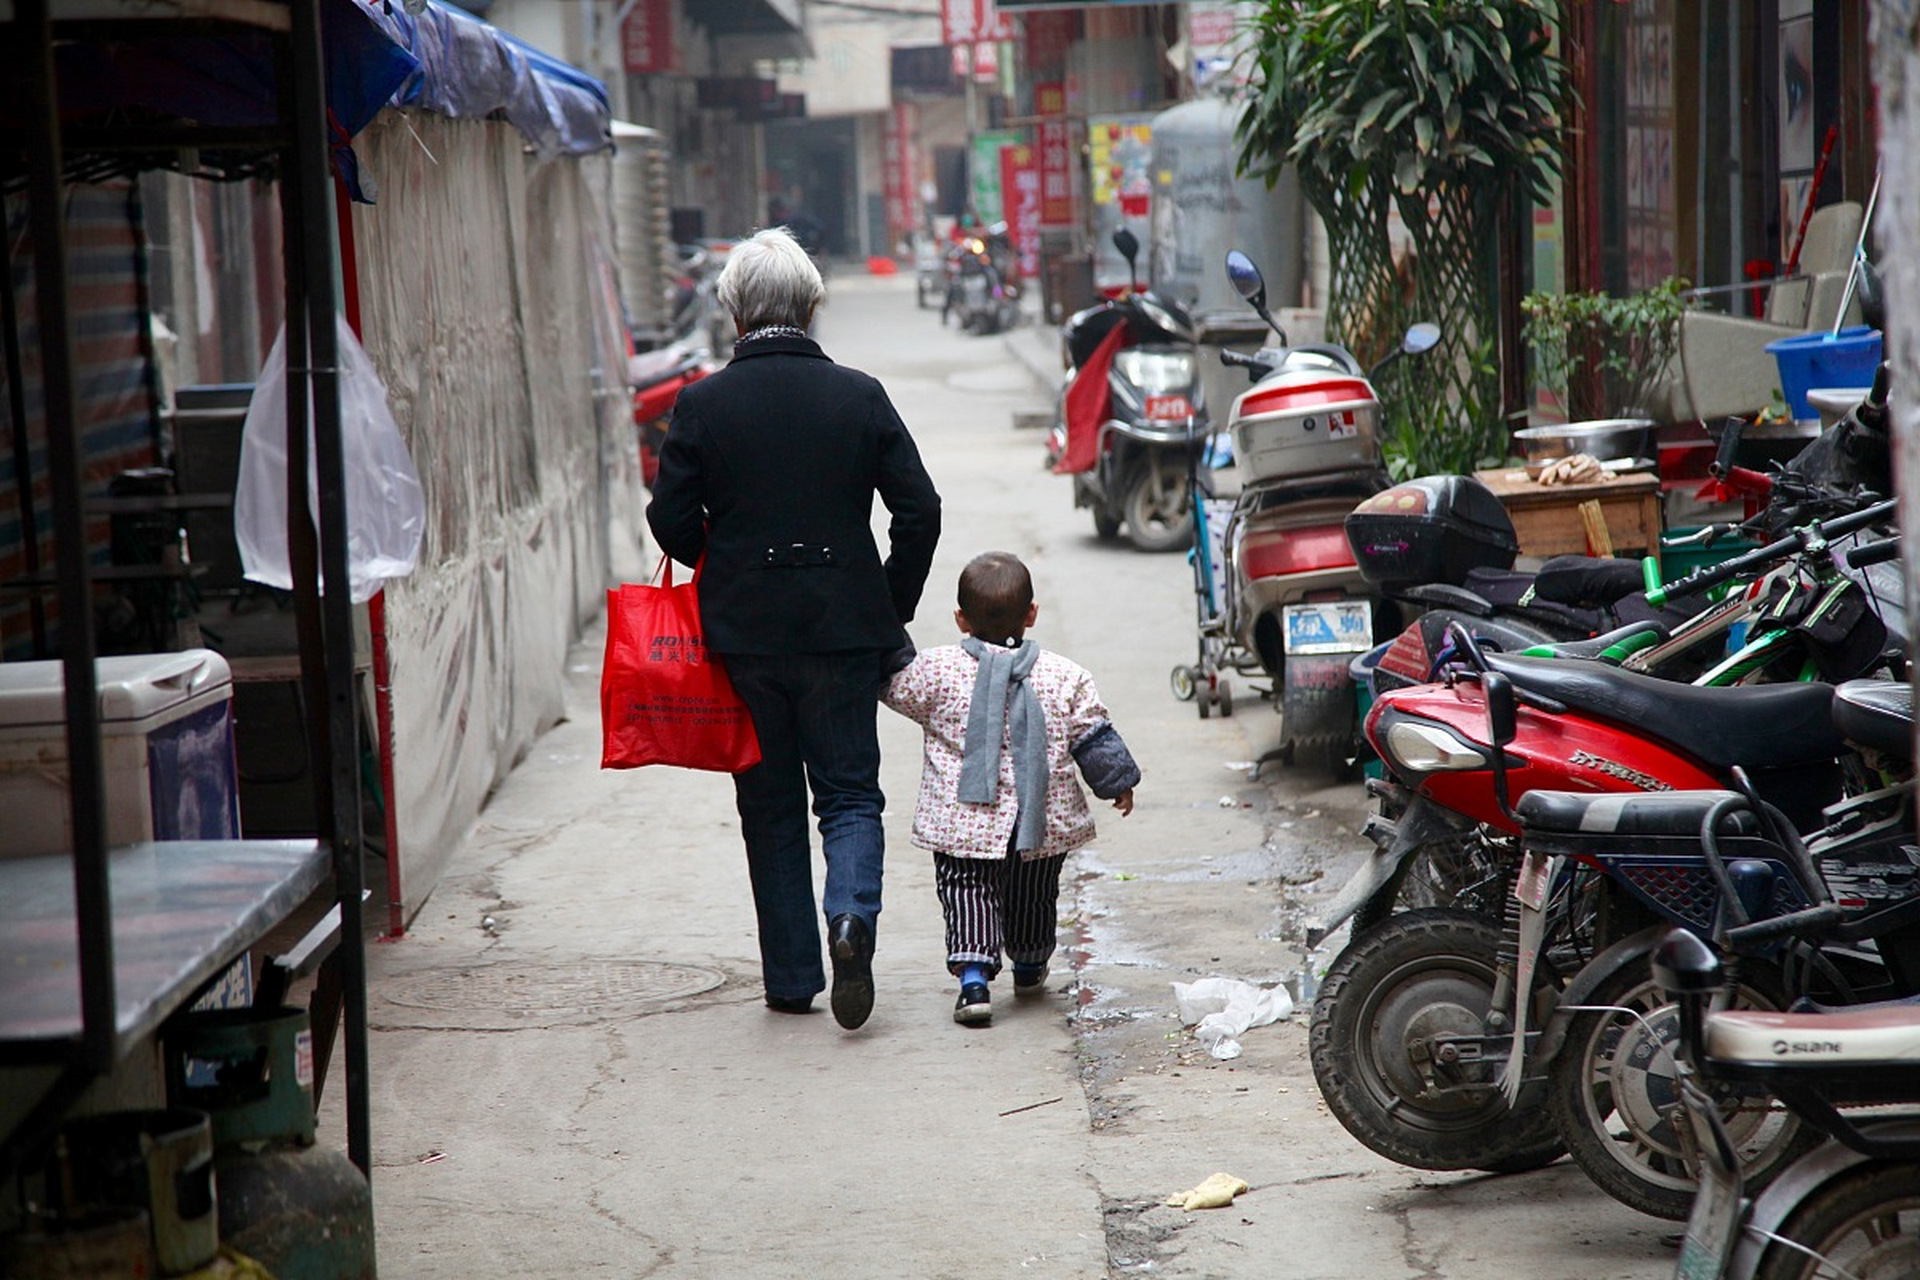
(1221, 1010)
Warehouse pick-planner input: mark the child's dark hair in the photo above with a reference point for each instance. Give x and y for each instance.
(995, 593)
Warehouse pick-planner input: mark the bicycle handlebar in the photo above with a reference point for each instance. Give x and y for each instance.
(1796, 541)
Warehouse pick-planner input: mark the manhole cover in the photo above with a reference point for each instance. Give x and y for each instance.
(508, 996)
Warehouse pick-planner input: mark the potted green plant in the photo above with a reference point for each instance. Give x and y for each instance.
(1601, 356)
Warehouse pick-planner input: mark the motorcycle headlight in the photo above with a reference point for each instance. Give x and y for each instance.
(1156, 372)
(1422, 746)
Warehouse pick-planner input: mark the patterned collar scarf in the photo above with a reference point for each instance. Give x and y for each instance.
(771, 331)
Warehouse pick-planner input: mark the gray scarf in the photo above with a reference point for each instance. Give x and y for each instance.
(1002, 678)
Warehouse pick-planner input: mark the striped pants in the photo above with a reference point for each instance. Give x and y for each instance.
(993, 904)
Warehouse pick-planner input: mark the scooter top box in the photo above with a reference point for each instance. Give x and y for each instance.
(1304, 423)
(1431, 529)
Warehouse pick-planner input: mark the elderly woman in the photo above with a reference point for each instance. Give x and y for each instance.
(769, 470)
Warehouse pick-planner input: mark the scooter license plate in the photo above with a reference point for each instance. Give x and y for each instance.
(1331, 626)
(1169, 408)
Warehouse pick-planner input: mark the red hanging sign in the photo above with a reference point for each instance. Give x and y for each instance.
(646, 38)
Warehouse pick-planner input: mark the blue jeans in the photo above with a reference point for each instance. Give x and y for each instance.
(815, 715)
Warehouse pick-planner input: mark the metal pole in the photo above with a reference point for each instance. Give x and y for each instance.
(343, 720)
(86, 775)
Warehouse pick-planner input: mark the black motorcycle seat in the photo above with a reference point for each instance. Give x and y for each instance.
(1587, 580)
(1629, 813)
(1877, 714)
(1757, 726)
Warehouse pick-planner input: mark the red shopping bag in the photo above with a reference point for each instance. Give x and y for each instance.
(663, 698)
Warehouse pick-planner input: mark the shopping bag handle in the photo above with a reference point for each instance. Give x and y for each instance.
(663, 572)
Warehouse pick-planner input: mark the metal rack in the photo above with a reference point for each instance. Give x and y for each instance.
(116, 940)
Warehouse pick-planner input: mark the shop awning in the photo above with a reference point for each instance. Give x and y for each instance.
(378, 55)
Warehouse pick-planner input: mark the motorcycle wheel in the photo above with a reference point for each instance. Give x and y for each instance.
(1158, 509)
(1615, 1103)
(1420, 974)
(1865, 1223)
(1106, 525)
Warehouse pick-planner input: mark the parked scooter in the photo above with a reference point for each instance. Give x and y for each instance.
(1130, 414)
(1846, 1208)
(1306, 438)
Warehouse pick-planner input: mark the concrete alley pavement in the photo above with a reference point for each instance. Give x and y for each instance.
(573, 1073)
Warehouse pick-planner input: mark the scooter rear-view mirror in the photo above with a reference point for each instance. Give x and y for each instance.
(1421, 337)
(1502, 727)
(1129, 246)
(1246, 280)
(1502, 718)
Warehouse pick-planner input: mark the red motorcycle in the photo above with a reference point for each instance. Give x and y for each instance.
(1415, 1030)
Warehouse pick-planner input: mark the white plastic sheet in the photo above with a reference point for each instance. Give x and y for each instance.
(1221, 1010)
(385, 510)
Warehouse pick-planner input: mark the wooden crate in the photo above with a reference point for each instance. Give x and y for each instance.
(1546, 518)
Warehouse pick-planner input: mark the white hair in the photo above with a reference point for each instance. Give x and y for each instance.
(769, 279)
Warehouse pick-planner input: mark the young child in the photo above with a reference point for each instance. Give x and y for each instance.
(1006, 724)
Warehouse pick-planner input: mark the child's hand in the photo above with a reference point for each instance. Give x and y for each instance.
(1124, 802)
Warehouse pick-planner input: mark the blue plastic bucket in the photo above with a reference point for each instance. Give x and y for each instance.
(1845, 359)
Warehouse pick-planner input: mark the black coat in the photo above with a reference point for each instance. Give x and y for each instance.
(770, 467)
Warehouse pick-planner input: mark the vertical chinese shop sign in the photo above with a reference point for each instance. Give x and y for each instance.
(1055, 155)
(1020, 194)
(902, 171)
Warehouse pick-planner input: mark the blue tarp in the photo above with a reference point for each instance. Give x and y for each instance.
(464, 67)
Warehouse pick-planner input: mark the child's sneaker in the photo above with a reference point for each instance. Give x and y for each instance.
(974, 1008)
(1029, 979)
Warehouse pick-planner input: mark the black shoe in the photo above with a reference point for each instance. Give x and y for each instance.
(974, 1008)
(789, 1004)
(1029, 980)
(850, 945)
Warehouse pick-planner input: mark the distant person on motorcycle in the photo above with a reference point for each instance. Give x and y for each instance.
(769, 471)
(1006, 723)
